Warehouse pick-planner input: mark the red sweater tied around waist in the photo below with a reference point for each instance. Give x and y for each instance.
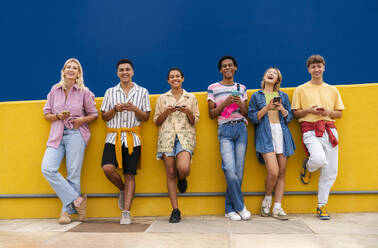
(319, 127)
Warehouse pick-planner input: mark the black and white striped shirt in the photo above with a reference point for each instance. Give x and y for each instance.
(138, 96)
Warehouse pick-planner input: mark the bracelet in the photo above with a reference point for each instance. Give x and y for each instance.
(57, 116)
(286, 114)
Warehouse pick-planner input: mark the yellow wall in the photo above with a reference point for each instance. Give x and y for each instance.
(24, 132)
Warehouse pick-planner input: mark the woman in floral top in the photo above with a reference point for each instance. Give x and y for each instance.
(176, 114)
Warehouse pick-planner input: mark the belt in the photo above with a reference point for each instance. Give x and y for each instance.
(235, 121)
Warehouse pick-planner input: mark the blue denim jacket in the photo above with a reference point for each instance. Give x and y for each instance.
(263, 133)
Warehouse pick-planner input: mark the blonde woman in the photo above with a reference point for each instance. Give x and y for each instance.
(176, 114)
(269, 109)
(70, 107)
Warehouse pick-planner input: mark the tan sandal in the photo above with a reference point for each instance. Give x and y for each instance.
(82, 208)
(64, 219)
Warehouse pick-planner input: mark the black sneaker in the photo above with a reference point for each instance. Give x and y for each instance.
(182, 185)
(175, 216)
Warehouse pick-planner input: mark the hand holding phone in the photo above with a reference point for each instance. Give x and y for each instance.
(277, 99)
(181, 108)
(66, 114)
(319, 109)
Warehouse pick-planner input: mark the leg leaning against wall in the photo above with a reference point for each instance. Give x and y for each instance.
(50, 165)
(328, 173)
(75, 148)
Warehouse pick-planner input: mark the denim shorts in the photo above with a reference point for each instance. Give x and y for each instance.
(177, 148)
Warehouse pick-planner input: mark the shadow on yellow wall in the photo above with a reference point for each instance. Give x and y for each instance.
(24, 132)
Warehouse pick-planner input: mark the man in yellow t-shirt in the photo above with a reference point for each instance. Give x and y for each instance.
(317, 104)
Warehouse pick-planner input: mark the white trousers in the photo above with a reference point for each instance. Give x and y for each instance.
(324, 157)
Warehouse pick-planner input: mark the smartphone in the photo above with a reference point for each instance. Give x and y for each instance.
(277, 99)
(177, 107)
(235, 93)
(66, 112)
(319, 109)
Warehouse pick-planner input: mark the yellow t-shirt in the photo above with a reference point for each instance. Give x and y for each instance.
(322, 95)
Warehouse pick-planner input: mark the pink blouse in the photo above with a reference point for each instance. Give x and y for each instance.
(79, 103)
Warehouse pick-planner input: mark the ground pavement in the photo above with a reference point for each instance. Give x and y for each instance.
(304, 230)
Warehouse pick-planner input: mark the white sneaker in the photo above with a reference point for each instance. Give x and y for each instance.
(125, 218)
(279, 213)
(265, 208)
(233, 216)
(121, 200)
(245, 214)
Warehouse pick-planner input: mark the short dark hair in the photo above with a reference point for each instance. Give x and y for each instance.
(315, 59)
(227, 57)
(125, 61)
(175, 69)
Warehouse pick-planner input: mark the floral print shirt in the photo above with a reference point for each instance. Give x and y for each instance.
(177, 122)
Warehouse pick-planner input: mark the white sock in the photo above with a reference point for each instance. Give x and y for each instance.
(320, 205)
(268, 198)
(277, 205)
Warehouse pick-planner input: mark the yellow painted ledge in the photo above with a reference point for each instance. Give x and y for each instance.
(24, 132)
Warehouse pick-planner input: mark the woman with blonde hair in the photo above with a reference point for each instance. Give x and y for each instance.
(70, 107)
(270, 110)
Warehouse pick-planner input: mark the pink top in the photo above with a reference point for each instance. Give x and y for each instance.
(219, 92)
(79, 103)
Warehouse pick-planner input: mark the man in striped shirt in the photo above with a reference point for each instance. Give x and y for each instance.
(227, 101)
(123, 108)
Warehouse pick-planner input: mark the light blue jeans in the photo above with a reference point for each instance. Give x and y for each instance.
(67, 189)
(233, 139)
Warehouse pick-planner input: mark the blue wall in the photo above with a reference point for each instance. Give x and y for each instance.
(38, 36)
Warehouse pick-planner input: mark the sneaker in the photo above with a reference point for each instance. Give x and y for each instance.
(64, 218)
(233, 216)
(322, 213)
(82, 209)
(279, 213)
(245, 214)
(305, 174)
(265, 208)
(125, 218)
(182, 185)
(121, 200)
(175, 216)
